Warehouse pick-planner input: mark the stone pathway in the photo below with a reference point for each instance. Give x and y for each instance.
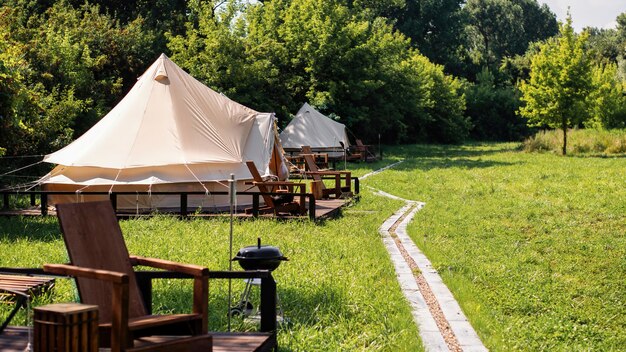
(441, 323)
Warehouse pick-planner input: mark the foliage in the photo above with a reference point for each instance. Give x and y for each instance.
(277, 55)
(582, 142)
(607, 100)
(504, 28)
(63, 69)
(532, 245)
(491, 107)
(435, 27)
(560, 80)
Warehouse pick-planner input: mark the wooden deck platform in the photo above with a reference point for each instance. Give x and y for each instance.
(15, 339)
(324, 209)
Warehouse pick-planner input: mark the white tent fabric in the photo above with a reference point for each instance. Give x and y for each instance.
(312, 128)
(170, 132)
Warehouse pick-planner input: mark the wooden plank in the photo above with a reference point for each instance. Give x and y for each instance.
(15, 339)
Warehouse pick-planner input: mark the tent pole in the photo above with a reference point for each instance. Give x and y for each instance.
(231, 197)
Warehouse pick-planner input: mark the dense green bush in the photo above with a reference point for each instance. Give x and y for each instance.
(587, 141)
(62, 71)
(492, 108)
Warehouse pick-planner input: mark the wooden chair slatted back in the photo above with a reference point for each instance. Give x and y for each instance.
(93, 239)
(310, 162)
(256, 176)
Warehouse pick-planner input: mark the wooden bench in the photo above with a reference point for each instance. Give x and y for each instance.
(17, 289)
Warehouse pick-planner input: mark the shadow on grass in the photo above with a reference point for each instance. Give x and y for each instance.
(36, 228)
(448, 163)
(427, 157)
(452, 151)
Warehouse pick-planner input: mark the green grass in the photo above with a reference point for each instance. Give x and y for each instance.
(532, 245)
(338, 290)
(580, 142)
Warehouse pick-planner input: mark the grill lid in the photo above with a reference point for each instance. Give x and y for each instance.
(260, 252)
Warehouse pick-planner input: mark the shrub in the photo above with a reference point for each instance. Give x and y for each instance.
(585, 141)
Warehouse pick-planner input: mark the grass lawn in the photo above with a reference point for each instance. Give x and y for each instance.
(532, 245)
(338, 290)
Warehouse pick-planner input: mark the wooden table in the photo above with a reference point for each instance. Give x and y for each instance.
(17, 289)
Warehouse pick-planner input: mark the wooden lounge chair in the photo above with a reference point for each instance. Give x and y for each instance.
(277, 204)
(105, 277)
(321, 159)
(364, 151)
(350, 153)
(338, 190)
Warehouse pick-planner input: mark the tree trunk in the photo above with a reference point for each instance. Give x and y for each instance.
(564, 139)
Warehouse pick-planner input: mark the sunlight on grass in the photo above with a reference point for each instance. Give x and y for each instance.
(338, 290)
(532, 245)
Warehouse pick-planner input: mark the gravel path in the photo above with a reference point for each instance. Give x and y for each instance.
(442, 324)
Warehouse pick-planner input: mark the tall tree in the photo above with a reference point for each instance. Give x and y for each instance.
(65, 66)
(501, 28)
(560, 81)
(352, 66)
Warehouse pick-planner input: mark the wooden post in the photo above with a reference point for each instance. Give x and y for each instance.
(255, 205)
(113, 198)
(311, 207)
(5, 198)
(268, 304)
(32, 200)
(356, 185)
(44, 203)
(183, 205)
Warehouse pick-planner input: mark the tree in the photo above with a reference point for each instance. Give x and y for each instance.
(495, 29)
(504, 28)
(560, 80)
(338, 57)
(434, 26)
(492, 105)
(607, 100)
(64, 69)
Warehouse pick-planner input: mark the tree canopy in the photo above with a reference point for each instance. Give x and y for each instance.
(560, 81)
(409, 71)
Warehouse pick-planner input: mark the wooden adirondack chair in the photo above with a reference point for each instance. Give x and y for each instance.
(364, 151)
(321, 159)
(104, 276)
(338, 190)
(277, 204)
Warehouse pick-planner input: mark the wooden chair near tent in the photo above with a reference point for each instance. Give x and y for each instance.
(321, 159)
(325, 192)
(364, 151)
(278, 204)
(104, 274)
(350, 154)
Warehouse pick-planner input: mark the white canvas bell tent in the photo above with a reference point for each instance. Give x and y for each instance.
(312, 128)
(169, 133)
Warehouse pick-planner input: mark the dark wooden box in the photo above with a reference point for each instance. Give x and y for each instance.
(66, 327)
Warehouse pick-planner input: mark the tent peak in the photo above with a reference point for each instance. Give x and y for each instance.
(161, 73)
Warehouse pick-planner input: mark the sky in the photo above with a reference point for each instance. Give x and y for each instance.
(588, 13)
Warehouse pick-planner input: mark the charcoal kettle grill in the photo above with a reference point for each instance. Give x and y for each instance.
(255, 258)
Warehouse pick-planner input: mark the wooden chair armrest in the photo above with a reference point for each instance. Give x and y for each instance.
(278, 183)
(88, 273)
(328, 172)
(190, 269)
(200, 282)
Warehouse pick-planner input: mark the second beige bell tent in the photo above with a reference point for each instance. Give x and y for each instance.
(311, 128)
